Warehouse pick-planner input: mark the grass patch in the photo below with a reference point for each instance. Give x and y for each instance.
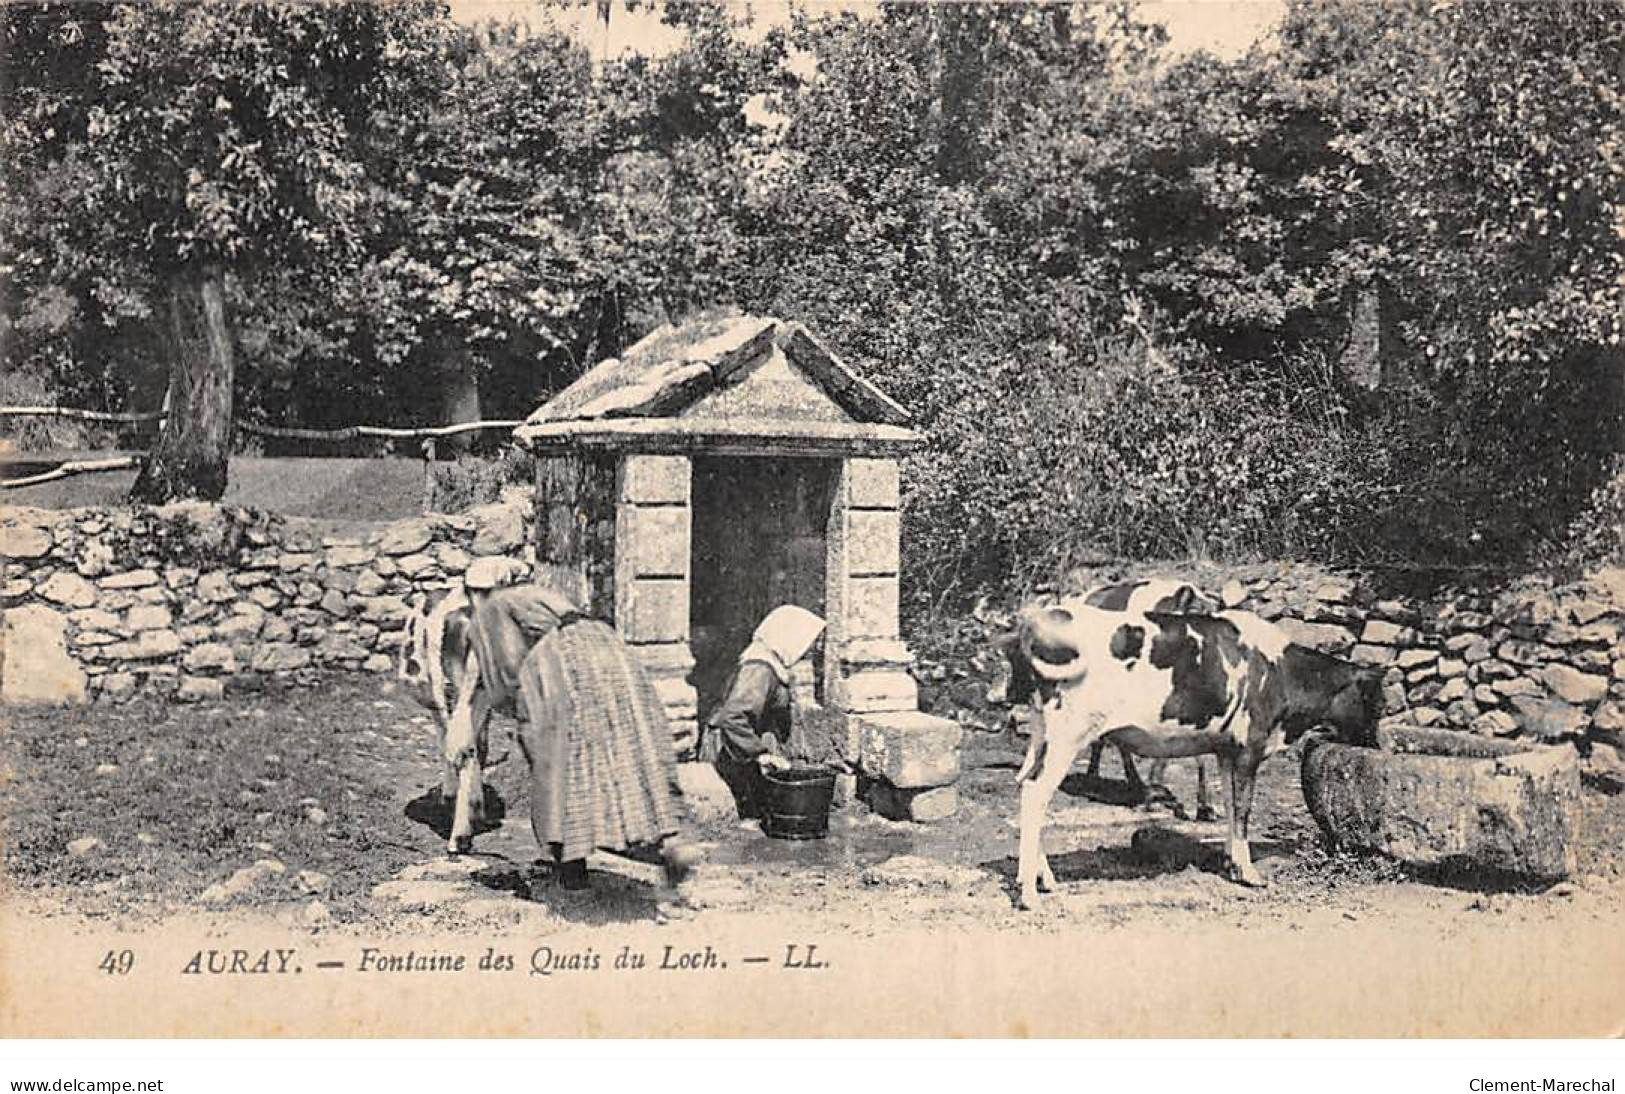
(182, 796)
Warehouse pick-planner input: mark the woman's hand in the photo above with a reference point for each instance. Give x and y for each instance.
(769, 761)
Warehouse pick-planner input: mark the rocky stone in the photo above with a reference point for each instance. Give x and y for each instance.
(1234, 594)
(1461, 713)
(278, 657)
(314, 881)
(1371, 655)
(266, 597)
(1410, 659)
(147, 646)
(1513, 813)
(83, 846)
(24, 541)
(453, 560)
(1325, 637)
(1383, 633)
(909, 749)
(1426, 672)
(210, 657)
(1495, 723)
(1449, 667)
(1610, 717)
(923, 806)
(1528, 654)
(339, 648)
(1548, 718)
(1495, 670)
(117, 685)
(1588, 611)
(243, 882)
(95, 619)
(252, 579)
(1574, 686)
(68, 589)
(334, 603)
(94, 638)
(405, 538)
(1335, 592)
(130, 579)
(1516, 685)
(343, 556)
(1486, 696)
(180, 577)
(295, 561)
(35, 666)
(1453, 689)
(240, 626)
(1469, 621)
(198, 688)
(216, 587)
(388, 612)
(277, 630)
(148, 617)
(415, 565)
(368, 583)
(1427, 716)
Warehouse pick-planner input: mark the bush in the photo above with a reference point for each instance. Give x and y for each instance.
(470, 480)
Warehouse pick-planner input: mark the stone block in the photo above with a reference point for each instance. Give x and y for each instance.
(498, 529)
(35, 667)
(344, 556)
(924, 806)
(883, 690)
(1575, 686)
(1549, 718)
(148, 646)
(872, 545)
(210, 656)
(1371, 655)
(910, 750)
(20, 541)
(871, 607)
(654, 480)
(652, 610)
(1325, 637)
(69, 590)
(130, 579)
(216, 587)
(1410, 659)
(1512, 813)
(651, 541)
(872, 484)
(405, 538)
(198, 688)
(148, 617)
(1383, 633)
(278, 657)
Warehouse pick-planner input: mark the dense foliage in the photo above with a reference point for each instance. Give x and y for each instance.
(1355, 295)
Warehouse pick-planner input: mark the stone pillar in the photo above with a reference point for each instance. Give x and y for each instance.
(575, 527)
(908, 761)
(652, 529)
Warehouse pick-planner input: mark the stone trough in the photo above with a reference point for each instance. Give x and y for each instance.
(1439, 798)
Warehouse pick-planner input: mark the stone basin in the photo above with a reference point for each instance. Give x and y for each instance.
(1438, 798)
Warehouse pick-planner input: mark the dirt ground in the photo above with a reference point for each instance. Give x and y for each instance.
(143, 812)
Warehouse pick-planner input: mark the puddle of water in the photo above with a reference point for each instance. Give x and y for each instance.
(852, 843)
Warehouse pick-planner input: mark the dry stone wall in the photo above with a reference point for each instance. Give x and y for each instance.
(190, 600)
(1532, 659)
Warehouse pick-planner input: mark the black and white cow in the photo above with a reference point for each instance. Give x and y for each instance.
(1231, 685)
(440, 669)
(1018, 684)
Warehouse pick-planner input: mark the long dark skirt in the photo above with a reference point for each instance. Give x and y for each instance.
(599, 745)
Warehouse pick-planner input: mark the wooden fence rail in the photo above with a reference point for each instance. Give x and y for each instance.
(427, 434)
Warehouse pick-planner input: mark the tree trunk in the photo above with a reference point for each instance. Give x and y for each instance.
(189, 458)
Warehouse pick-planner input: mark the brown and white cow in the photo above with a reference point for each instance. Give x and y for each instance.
(439, 668)
(1020, 685)
(1231, 685)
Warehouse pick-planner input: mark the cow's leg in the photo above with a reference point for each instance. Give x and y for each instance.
(1094, 758)
(1131, 773)
(461, 752)
(1238, 772)
(1048, 768)
(1204, 797)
